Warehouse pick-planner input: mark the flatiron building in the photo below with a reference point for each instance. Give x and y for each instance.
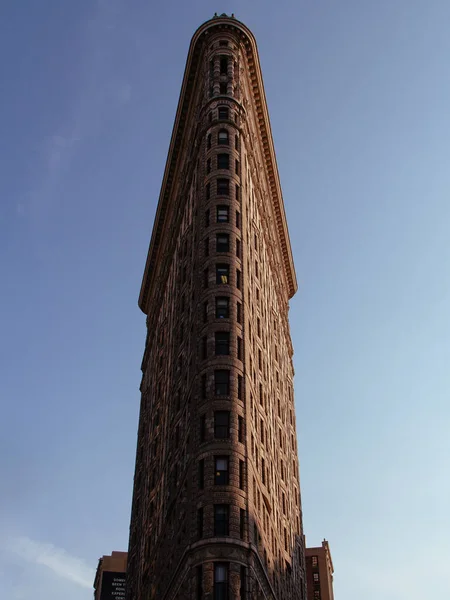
(216, 510)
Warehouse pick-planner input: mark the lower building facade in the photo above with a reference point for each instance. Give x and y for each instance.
(319, 572)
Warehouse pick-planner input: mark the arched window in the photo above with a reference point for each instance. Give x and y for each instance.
(222, 137)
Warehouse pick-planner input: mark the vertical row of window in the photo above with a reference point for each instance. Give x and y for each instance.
(223, 78)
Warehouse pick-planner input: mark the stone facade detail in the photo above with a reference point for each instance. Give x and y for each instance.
(216, 506)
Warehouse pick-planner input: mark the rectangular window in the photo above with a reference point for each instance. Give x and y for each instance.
(221, 519)
(199, 571)
(241, 523)
(220, 581)
(223, 87)
(207, 213)
(206, 248)
(223, 161)
(238, 219)
(241, 474)
(222, 242)
(222, 137)
(223, 112)
(316, 577)
(243, 586)
(201, 474)
(205, 278)
(208, 166)
(238, 279)
(239, 348)
(222, 382)
(222, 274)
(222, 214)
(237, 167)
(263, 470)
(223, 65)
(205, 312)
(314, 561)
(240, 387)
(208, 191)
(316, 594)
(222, 424)
(222, 339)
(204, 347)
(241, 429)
(236, 142)
(200, 523)
(222, 307)
(202, 428)
(223, 187)
(238, 192)
(238, 248)
(239, 312)
(221, 470)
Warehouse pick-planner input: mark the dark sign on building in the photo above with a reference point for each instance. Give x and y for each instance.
(113, 586)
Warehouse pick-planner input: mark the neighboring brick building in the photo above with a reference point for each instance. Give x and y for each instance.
(319, 572)
(110, 578)
(216, 508)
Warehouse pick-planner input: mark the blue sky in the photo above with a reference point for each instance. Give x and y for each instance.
(359, 96)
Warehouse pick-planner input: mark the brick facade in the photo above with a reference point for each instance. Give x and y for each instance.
(216, 507)
(319, 572)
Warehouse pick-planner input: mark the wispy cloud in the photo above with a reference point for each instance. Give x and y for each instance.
(56, 559)
(100, 91)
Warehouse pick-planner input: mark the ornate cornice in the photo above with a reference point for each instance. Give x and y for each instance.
(187, 90)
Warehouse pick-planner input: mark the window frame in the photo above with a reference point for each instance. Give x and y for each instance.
(222, 385)
(223, 161)
(222, 213)
(221, 520)
(221, 587)
(223, 137)
(222, 186)
(222, 343)
(225, 308)
(222, 242)
(223, 65)
(222, 271)
(222, 427)
(222, 475)
(223, 113)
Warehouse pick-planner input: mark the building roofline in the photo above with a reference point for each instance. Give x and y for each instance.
(218, 22)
